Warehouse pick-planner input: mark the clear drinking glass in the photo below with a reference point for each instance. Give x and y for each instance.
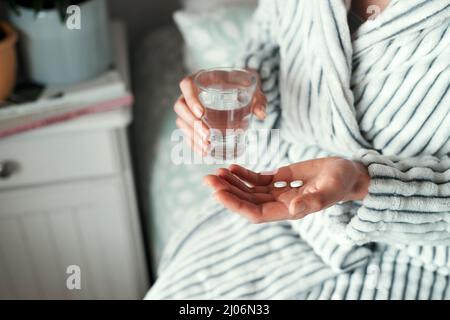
(226, 95)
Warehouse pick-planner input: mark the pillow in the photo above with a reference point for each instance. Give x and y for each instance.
(208, 5)
(213, 39)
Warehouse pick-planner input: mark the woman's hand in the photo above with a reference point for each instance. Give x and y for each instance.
(327, 181)
(190, 112)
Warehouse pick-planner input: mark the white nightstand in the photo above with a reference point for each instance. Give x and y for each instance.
(70, 200)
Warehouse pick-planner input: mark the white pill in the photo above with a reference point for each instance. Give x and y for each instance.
(280, 184)
(296, 184)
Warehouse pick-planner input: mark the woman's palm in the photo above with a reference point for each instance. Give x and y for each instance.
(326, 182)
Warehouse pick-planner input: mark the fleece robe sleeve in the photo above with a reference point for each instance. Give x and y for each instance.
(408, 201)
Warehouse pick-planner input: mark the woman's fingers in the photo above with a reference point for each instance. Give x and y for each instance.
(255, 179)
(266, 212)
(259, 104)
(234, 180)
(195, 130)
(198, 149)
(234, 203)
(190, 111)
(218, 183)
(184, 112)
(193, 136)
(263, 179)
(190, 93)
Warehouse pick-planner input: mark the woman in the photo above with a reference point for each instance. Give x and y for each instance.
(364, 115)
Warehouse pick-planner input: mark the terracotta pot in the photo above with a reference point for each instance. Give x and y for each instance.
(7, 60)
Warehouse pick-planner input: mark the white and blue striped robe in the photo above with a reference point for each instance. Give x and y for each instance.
(380, 97)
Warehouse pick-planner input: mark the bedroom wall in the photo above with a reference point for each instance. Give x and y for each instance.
(2, 10)
(142, 15)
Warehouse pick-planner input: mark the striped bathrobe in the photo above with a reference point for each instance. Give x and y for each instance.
(379, 96)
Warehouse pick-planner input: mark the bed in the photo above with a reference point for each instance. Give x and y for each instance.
(172, 195)
(200, 39)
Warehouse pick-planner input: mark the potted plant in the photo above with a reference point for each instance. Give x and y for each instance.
(55, 53)
(8, 38)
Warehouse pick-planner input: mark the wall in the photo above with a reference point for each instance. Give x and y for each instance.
(2, 10)
(142, 15)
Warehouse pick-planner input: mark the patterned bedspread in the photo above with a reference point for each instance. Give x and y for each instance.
(157, 72)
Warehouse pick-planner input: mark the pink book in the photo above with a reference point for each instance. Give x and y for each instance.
(32, 121)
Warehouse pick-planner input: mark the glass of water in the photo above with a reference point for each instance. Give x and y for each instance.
(226, 95)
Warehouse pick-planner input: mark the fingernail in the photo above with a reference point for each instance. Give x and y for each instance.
(299, 208)
(261, 115)
(269, 173)
(205, 133)
(198, 111)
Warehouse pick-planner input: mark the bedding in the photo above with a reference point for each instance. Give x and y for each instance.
(212, 39)
(159, 65)
(157, 71)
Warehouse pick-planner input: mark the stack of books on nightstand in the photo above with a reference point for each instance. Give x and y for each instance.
(107, 92)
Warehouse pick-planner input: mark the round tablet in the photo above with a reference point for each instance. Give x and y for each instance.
(280, 184)
(296, 184)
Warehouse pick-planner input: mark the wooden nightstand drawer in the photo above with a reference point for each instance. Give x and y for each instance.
(55, 157)
(45, 229)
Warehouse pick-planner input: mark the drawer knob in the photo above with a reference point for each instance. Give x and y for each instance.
(8, 168)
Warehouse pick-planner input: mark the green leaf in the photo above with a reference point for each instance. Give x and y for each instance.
(14, 7)
(37, 6)
(61, 6)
